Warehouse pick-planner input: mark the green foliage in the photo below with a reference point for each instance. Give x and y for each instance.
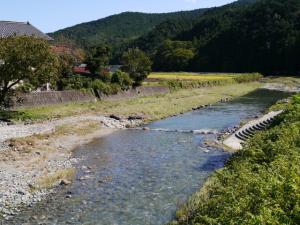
(123, 79)
(76, 82)
(98, 60)
(25, 59)
(25, 88)
(259, 185)
(174, 56)
(117, 30)
(246, 36)
(262, 37)
(65, 69)
(105, 88)
(95, 86)
(105, 77)
(137, 64)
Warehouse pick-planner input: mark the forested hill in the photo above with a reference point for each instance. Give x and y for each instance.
(173, 27)
(117, 29)
(262, 37)
(244, 36)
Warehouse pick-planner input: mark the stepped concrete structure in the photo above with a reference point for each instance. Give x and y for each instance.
(236, 140)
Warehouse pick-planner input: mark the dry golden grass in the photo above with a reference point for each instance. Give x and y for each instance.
(48, 181)
(190, 76)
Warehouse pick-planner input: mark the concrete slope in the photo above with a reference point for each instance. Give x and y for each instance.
(236, 140)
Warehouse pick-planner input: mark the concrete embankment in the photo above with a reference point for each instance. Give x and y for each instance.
(236, 140)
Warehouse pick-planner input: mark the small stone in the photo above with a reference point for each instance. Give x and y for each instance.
(114, 117)
(84, 177)
(31, 186)
(65, 182)
(135, 118)
(21, 192)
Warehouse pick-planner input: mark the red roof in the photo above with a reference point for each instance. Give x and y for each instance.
(81, 70)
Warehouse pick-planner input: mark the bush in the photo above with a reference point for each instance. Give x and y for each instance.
(25, 88)
(96, 86)
(104, 88)
(76, 82)
(105, 77)
(123, 79)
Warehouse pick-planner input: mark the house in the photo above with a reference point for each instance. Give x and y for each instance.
(81, 69)
(10, 28)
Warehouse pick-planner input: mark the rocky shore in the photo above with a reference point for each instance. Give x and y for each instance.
(43, 157)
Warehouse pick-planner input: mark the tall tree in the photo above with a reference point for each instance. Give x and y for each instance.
(137, 64)
(24, 59)
(98, 59)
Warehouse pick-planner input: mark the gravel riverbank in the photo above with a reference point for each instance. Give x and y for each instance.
(21, 170)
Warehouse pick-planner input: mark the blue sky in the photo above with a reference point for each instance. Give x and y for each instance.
(51, 15)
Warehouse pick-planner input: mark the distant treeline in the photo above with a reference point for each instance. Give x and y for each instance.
(263, 37)
(245, 36)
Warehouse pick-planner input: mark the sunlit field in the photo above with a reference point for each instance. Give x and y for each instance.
(190, 76)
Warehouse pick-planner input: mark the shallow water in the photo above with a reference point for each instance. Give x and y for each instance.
(136, 177)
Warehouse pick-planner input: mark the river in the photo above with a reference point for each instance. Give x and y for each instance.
(139, 177)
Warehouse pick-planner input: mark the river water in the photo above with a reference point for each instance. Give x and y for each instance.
(137, 177)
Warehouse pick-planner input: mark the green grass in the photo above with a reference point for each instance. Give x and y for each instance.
(152, 107)
(259, 185)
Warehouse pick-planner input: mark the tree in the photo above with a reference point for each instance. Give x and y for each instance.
(98, 60)
(174, 56)
(65, 68)
(137, 64)
(24, 59)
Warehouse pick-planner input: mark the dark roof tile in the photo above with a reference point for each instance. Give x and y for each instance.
(8, 28)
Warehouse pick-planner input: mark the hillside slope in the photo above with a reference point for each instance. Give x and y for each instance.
(173, 27)
(117, 29)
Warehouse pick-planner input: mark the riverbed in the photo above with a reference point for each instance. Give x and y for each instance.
(139, 177)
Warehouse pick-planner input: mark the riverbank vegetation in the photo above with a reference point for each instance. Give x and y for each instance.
(150, 107)
(259, 185)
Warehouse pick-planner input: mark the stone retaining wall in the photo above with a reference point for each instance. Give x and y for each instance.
(52, 97)
(57, 97)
